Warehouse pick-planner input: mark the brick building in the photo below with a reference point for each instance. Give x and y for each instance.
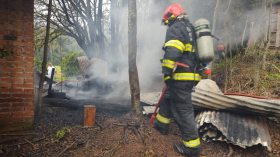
(16, 64)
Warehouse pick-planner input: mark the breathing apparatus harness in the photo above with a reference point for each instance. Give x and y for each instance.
(193, 38)
(200, 64)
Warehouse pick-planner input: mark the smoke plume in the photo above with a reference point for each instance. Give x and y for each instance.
(230, 28)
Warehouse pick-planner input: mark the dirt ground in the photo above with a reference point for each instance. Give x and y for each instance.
(116, 134)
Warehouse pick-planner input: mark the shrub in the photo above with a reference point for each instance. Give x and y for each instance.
(69, 65)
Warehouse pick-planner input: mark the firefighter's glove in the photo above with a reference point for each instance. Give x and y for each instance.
(168, 80)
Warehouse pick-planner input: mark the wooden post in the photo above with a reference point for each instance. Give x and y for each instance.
(89, 115)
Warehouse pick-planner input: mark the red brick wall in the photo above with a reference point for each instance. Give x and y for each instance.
(17, 69)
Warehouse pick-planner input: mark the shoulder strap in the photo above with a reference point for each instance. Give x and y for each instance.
(191, 28)
(194, 43)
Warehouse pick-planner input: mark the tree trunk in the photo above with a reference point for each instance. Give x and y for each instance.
(45, 58)
(100, 35)
(244, 32)
(132, 53)
(215, 17)
(251, 40)
(268, 34)
(229, 3)
(115, 37)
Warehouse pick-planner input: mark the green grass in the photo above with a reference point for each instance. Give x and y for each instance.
(243, 71)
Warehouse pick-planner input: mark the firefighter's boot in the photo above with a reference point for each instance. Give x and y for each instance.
(188, 152)
(163, 129)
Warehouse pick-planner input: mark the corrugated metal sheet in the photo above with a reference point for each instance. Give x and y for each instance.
(238, 129)
(206, 99)
(208, 96)
(236, 119)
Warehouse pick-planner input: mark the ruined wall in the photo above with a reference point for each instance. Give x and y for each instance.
(16, 64)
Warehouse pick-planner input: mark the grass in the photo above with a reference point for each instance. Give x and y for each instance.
(245, 74)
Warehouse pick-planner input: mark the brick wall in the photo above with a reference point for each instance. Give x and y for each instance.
(16, 69)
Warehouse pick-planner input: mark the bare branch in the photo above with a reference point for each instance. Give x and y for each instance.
(80, 19)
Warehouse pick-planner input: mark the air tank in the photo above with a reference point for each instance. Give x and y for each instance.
(204, 40)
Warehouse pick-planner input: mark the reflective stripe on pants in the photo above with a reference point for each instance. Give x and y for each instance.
(192, 143)
(163, 119)
(177, 103)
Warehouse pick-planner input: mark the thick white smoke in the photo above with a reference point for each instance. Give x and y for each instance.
(151, 36)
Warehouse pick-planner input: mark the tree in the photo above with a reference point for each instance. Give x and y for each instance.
(115, 11)
(215, 17)
(44, 63)
(82, 20)
(132, 53)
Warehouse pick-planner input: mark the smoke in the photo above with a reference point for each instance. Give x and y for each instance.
(112, 84)
(151, 36)
(230, 27)
(234, 22)
(231, 18)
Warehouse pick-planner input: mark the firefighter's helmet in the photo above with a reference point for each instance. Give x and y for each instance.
(172, 12)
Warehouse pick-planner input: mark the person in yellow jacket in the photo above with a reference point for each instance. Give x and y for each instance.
(179, 47)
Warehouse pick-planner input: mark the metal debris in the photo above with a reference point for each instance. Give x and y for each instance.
(238, 129)
(235, 119)
(210, 100)
(208, 96)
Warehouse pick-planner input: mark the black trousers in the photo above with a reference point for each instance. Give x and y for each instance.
(177, 104)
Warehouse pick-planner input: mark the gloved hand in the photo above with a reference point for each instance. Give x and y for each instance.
(168, 80)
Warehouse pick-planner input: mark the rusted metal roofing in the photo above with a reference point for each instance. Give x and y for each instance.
(206, 99)
(208, 96)
(235, 119)
(238, 129)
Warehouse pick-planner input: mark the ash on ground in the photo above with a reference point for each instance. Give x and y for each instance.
(117, 133)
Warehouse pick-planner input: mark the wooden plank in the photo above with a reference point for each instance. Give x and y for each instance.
(277, 44)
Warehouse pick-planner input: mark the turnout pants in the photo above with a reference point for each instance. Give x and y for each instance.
(177, 104)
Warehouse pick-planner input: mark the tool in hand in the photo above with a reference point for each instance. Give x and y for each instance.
(157, 106)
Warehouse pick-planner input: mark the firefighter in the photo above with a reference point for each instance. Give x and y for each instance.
(180, 48)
